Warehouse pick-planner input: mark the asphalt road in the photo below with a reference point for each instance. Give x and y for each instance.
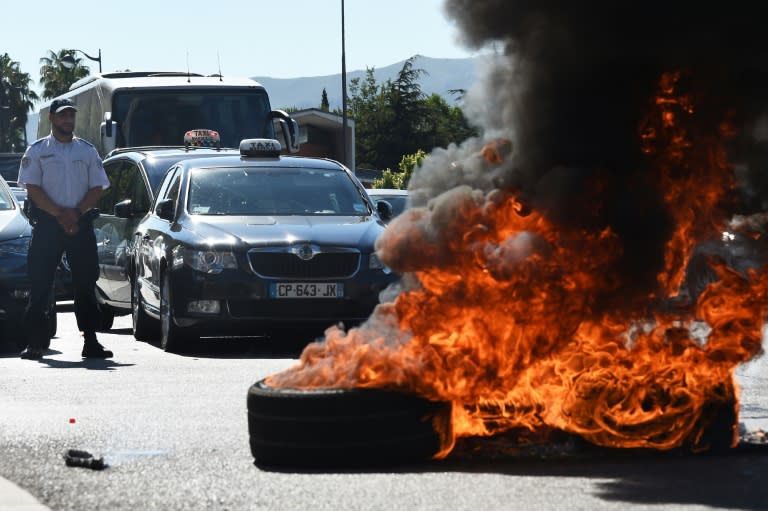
(173, 431)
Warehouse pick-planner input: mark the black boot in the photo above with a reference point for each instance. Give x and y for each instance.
(92, 348)
(30, 353)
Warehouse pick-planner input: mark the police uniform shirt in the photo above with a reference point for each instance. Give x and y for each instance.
(64, 170)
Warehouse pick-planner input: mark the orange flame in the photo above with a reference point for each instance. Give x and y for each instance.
(694, 174)
(496, 151)
(504, 319)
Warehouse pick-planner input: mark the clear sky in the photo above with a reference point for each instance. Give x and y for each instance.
(279, 39)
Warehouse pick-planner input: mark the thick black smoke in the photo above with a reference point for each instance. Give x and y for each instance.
(570, 85)
(585, 71)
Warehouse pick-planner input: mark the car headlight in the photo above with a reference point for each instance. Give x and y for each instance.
(15, 247)
(374, 263)
(209, 261)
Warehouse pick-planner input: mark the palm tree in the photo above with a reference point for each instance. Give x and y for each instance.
(55, 77)
(16, 99)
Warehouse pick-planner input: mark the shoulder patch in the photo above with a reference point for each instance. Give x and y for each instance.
(25, 161)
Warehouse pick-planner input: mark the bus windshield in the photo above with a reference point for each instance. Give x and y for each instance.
(161, 117)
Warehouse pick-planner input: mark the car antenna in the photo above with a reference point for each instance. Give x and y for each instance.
(218, 58)
(188, 75)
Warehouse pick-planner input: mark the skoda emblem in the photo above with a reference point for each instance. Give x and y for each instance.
(305, 253)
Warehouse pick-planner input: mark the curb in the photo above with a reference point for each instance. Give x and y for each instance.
(14, 498)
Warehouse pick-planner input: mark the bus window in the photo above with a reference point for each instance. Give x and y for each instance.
(162, 117)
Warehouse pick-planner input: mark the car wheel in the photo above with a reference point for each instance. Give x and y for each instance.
(172, 337)
(144, 327)
(106, 318)
(344, 427)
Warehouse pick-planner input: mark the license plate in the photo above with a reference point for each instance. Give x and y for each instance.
(306, 290)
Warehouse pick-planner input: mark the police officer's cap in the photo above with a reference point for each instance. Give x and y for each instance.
(59, 105)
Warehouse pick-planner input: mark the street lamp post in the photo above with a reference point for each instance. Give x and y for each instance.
(68, 61)
(344, 94)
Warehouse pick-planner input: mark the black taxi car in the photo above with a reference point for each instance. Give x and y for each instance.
(239, 244)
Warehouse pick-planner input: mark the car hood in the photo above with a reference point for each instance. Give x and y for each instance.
(255, 231)
(13, 225)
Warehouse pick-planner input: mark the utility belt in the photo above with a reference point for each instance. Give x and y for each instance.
(35, 214)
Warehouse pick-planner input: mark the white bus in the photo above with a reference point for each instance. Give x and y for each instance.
(140, 109)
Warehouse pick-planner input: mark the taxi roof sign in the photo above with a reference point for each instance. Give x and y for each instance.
(263, 147)
(202, 138)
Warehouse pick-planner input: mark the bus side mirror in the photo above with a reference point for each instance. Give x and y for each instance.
(289, 128)
(108, 131)
(108, 124)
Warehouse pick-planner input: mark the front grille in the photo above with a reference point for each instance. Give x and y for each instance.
(327, 265)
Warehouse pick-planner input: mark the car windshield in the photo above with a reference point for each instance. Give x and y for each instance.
(273, 191)
(156, 169)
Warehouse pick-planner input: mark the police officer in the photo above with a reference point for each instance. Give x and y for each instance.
(64, 178)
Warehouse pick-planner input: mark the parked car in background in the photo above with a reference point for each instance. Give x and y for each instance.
(63, 287)
(15, 235)
(397, 199)
(243, 243)
(134, 176)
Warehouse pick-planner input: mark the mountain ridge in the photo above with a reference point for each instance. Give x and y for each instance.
(441, 76)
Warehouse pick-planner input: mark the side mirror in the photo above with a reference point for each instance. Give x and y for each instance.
(108, 130)
(384, 209)
(165, 209)
(288, 127)
(124, 209)
(108, 124)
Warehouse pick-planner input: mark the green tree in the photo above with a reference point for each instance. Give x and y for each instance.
(55, 77)
(443, 124)
(324, 105)
(395, 118)
(408, 164)
(16, 100)
(368, 106)
(405, 100)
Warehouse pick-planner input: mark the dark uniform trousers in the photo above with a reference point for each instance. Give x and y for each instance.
(46, 247)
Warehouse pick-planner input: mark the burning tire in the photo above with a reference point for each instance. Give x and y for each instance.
(343, 427)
